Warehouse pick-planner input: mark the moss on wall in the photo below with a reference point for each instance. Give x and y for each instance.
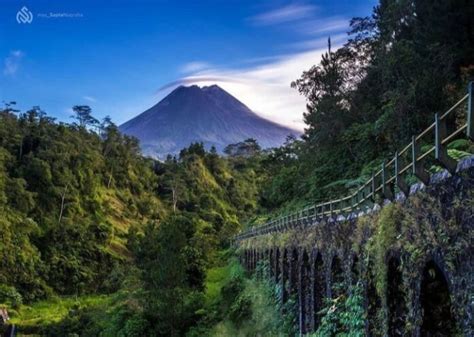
(435, 226)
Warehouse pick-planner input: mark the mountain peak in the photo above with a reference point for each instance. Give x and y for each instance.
(212, 87)
(193, 114)
(182, 88)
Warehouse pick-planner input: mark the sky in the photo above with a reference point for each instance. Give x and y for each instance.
(122, 57)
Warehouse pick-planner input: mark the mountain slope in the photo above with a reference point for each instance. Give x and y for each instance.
(209, 115)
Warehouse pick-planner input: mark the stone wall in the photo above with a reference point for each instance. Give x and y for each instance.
(413, 258)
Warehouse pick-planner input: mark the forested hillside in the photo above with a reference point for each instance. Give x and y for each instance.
(68, 197)
(83, 212)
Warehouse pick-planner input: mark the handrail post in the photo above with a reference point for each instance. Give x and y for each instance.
(402, 185)
(366, 199)
(359, 201)
(470, 112)
(359, 198)
(386, 188)
(342, 207)
(354, 204)
(417, 165)
(441, 152)
(372, 188)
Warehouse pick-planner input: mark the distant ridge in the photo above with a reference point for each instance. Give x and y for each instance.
(209, 115)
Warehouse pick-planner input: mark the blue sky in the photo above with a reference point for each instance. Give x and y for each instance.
(121, 57)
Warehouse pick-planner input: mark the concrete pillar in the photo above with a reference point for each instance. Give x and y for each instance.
(255, 261)
(301, 293)
(292, 271)
(268, 263)
(260, 258)
(319, 283)
(257, 258)
(246, 260)
(252, 260)
(277, 265)
(304, 292)
(271, 263)
(265, 258)
(312, 297)
(284, 276)
(307, 291)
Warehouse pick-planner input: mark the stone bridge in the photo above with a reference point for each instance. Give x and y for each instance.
(413, 259)
(410, 252)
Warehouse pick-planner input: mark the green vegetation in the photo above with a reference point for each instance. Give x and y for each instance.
(244, 306)
(84, 214)
(49, 312)
(343, 316)
(96, 240)
(401, 65)
(385, 238)
(62, 192)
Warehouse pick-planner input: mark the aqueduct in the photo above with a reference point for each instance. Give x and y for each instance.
(408, 247)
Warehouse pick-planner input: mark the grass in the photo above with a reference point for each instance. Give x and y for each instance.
(215, 280)
(219, 275)
(43, 313)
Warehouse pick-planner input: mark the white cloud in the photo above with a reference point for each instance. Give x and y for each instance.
(90, 99)
(326, 25)
(264, 88)
(12, 62)
(263, 84)
(283, 14)
(194, 66)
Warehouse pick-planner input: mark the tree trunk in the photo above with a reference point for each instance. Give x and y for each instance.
(175, 198)
(62, 203)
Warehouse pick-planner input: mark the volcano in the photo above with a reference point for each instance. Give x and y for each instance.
(209, 115)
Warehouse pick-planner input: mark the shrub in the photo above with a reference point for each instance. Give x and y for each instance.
(241, 310)
(343, 316)
(9, 295)
(136, 326)
(231, 291)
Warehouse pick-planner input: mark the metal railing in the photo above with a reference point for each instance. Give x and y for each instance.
(384, 180)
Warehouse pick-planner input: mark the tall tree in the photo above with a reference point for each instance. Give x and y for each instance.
(83, 115)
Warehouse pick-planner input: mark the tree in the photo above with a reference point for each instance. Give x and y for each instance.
(247, 148)
(83, 114)
(162, 256)
(326, 88)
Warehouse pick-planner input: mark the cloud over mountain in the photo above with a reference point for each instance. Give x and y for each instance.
(209, 115)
